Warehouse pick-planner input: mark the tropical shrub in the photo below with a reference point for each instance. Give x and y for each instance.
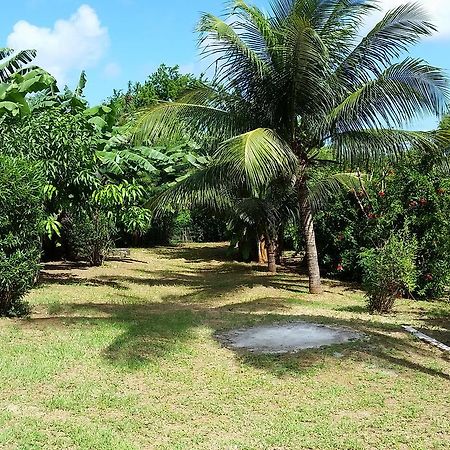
(14, 90)
(390, 271)
(21, 220)
(415, 191)
(89, 234)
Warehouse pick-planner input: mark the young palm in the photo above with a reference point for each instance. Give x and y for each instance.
(301, 78)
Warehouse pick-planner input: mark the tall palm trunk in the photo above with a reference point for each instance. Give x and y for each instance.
(271, 250)
(315, 286)
(262, 250)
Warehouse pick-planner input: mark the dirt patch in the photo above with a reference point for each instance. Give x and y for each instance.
(286, 337)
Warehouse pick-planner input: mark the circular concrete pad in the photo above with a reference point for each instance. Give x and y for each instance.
(287, 337)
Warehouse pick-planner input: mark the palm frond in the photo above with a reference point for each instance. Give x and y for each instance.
(405, 91)
(197, 115)
(207, 188)
(321, 191)
(233, 56)
(304, 54)
(260, 213)
(256, 157)
(358, 148)
(394, 34)
(340, 30)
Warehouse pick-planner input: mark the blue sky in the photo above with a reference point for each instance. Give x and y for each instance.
(121, 40)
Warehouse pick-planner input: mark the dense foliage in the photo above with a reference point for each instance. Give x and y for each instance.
(412, 192)
(89, 235)
(295, 136)
(64, 143)
(390, 271)
(21, 219)
(165, 84)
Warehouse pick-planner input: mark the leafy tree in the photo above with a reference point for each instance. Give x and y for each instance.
(149, 171)
(65, 144)
(63, 135)
(165, 84)
(413, 192)
(89, 231)
(18, 79)
(299, 79)
(256, 211)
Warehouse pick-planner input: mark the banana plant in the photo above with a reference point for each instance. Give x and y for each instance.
(14, 92)
(12, 62)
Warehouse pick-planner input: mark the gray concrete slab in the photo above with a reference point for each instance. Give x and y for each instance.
(287, 337)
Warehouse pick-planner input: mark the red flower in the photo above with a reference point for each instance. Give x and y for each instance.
(340, 268)
(428, 277)
(423, 201)
(382, 194)
(371, 216)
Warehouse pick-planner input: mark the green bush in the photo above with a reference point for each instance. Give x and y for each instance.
(89, 235)
(21, 222)
(390, 271)
(414, 192)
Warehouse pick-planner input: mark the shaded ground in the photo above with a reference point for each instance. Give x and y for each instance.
(124, 357)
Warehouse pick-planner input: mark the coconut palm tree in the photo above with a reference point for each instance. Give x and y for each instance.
(256, 209)
(289, 82)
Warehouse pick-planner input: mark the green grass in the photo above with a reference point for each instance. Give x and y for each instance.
(124, 357)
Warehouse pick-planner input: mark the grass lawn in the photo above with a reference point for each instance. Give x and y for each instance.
(124, 357)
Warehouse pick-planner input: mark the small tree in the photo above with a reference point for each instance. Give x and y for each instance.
(89, 234)
(21, 220)
(389, 271)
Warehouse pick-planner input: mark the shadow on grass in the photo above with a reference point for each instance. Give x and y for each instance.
(48, 278)
(150, 332)
(436, 323)
(205, 253)
(153, 331)
(360, 309)
(204, 284)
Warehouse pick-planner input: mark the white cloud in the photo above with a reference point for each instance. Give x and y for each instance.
(438, 11)
(70, 46)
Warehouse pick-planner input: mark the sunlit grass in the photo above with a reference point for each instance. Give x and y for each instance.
(124, 357)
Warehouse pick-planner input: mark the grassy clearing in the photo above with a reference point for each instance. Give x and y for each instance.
(124, 357)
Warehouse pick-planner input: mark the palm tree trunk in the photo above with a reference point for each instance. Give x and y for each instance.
(280, 246)
(271, 260)
(262, 250)
(315, 286)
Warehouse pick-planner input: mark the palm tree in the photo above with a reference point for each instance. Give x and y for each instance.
(290, 82)
(257, 208)
(12, 62)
